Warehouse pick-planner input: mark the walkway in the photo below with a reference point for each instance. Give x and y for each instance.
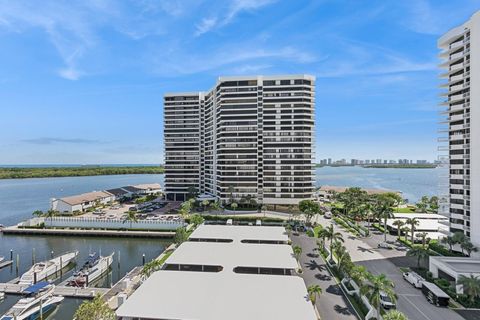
(410, 300)
(331, 304)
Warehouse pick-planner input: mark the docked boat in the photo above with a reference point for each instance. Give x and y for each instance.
(1, 259)
(42, 270)
(2, 296)
(93, 268)
(37, 302)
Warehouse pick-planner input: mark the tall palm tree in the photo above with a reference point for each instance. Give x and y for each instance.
(423, 236)
(468, 247)
(297, 252)
(37, 213)
(374, 286)
(405, 231)
(314, 292)
(359, 273)
(412, 222)
(50, 214)
(333, 237)
(384, 211)
(205, 204)
(471, 286)
(419, 253)
(394, 315)
(234, 206)
(323, 234)
(131, 217)
(399, 224)
(448, 240)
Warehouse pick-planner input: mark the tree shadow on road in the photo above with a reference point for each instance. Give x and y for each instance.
(342, 310)
(313, 255)
(323, 277)
(334, 289)
(362, 249)
(313, 265)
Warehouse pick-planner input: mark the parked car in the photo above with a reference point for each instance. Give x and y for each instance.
(386, 302)
(385, 245)
(414, 279)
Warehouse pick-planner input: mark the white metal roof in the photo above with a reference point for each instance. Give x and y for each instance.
(183, 295)
(420, 216)
(231, 255)
(238, 233)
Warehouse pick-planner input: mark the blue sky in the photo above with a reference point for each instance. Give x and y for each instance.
(83, 81)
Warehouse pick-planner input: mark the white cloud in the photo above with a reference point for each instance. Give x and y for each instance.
(205, 25)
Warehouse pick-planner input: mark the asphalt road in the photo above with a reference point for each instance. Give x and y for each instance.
(332, 304)
(410, 300)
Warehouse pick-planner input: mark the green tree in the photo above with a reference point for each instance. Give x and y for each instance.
(181, 236)
(423, 204)
(50, 214)
(314, 292)
(412, 222)
(297, 252)
(419, 253)
(433, 204)
(458, 237)
(341, 253)
(399, 224)
(468, 247)
(196, 219)
(215, 206)
(333, 236)
(394, 315)
(359, 273)
(423, 236)
(405, 231)
(374, 286)
(230, 191)
(384, 211)
(151, 267)
(37, 213)
(192, 192)
(234, 206)
(205, 204)
(130, 217)
(471, 286)
(96, 309)
(450, 241)
(309, 208)
(322, 235)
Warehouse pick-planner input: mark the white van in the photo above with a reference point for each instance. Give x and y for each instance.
(414, 279)
(229, 222)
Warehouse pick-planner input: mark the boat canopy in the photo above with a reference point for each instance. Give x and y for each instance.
(36, 287)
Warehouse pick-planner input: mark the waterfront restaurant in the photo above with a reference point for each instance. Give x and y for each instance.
(221, 275)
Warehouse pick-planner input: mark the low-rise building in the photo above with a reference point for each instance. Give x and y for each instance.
(430, 223)
(148, 188)
(82, 201)
(225, 272)
(451, 268)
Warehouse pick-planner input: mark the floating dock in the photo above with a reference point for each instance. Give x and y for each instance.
(4, 264)
(72, 292)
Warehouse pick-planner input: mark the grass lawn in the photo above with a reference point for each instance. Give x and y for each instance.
(316, 230)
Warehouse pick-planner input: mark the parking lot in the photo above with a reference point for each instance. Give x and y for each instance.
(153, 210)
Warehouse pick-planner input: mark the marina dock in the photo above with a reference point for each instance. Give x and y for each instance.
(88, 232)
(6, 263)
(72, 292)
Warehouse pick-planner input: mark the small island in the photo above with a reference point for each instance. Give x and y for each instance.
(81, 171)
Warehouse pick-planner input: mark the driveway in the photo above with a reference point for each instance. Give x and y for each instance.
(332, 304)
(410, 300)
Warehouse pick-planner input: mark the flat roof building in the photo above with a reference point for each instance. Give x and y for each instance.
(247, 136)
(236, 280)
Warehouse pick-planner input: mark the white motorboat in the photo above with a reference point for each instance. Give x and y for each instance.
(37, 303)
(2, 296)
(42, 270)
(93, 268)
(1, 259)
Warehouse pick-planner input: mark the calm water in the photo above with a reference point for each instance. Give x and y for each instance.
(413, 183)
(19, 198)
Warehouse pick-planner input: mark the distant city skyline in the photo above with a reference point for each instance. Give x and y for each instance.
(83, 82)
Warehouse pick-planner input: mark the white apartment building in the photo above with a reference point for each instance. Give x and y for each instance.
(462, 134)
(247, 136)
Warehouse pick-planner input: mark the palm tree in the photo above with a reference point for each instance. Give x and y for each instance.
(405, 231)
(323, 234)
(368, 207)
(468, 247)
(471, 286)
(297, 252)
(359, 273)
(394, 315)
(384, 211)
(449, 241)
(151, 267)
(94, 309)
(423, 204)
(342, 254)
(234, 206)
(374, 286)
(130, 217)
(192, 192)
(231, 190)
(181, 236)
(37, 213)
(205, 204)
(314, 292)
(50, 214)
(419, 253)
(333, 237)
(423, 236)
(412, 222)
(399, 224)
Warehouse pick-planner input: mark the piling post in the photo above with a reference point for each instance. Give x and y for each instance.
(51, 254)
(118, 264)
(11, 254)
(143, 259)
(33, 255)
(18, 263)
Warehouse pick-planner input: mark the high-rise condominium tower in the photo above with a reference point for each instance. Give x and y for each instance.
(461, 54)
(247, 138)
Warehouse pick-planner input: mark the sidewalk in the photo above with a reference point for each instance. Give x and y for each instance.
(331, 304)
